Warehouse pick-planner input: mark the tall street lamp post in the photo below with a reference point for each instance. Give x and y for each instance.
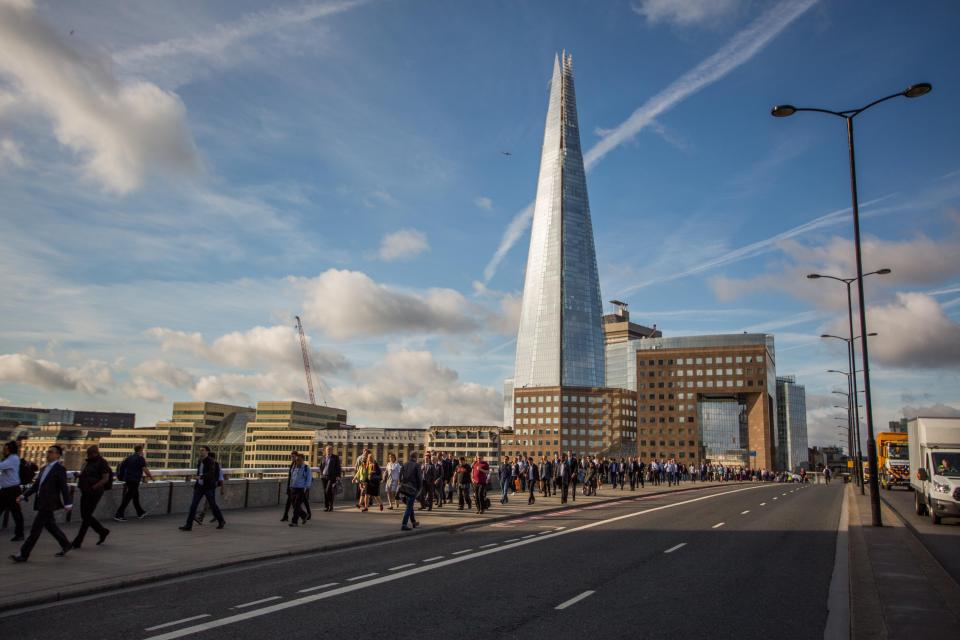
(782, 111)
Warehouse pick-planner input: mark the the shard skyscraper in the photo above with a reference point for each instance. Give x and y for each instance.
(560, 341)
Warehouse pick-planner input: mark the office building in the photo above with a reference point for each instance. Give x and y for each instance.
(707, 399)
(465, 441)
(283, 426)
(73, 439)
(92, 419)
(791, 424)
(620, 337)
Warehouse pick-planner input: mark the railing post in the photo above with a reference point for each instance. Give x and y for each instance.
(246, 492)
(169, 497)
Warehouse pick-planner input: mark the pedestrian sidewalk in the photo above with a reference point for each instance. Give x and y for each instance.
(141, 551)
(897, 588)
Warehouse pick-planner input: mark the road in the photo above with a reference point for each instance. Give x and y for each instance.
(942, 540)
(750, 561)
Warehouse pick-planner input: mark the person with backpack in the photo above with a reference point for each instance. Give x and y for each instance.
(11, 468)
(205, 486)
(131, 472)
(96, 476)
(220, 480)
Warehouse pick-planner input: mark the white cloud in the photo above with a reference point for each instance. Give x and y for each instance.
(402, 245)
(179, 59)
(18, 368)
(938, 410)
(737, 51)
(685, 13)
(140, 388)
(346, 304)
(483, 202)
(409, 388)
(11, 153)
(164, 373)
(120, 130)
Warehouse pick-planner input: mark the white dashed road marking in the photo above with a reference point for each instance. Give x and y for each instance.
(318, 587)
(564, 605)
(718, 525)
(433, 558)
(261, 601)
(366, 575)
(672, 549)
(487, 546)
(457, 553)
(743, 513)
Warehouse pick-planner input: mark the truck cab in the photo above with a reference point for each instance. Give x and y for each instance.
(893, 459)
(935, 454)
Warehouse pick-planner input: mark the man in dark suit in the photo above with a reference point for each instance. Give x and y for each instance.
(330, 472)
(208, 475)
(94, 479)
(52, 494)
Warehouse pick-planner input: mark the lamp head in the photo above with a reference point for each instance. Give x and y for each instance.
(917, 90)
(784, 110)
(883, 271)
(813, 276)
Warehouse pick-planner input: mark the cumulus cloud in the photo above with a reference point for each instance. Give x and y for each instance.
(346, 304)
(914, 332)
(93, 377)
(402, 245)
(685, 13)
(164, 373)
(246, 388)
(11, 153)
(938, 410)
(411, 389)
(121, 130)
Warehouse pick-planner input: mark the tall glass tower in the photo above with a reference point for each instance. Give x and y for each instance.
(560, 341)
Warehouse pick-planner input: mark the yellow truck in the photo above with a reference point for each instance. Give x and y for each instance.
(893, 460)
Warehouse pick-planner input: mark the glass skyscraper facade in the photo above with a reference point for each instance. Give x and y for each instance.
(560, 340)
(723, 426)
(792, 422)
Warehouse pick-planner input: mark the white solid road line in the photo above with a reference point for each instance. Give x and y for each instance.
(433, 558)
(743, 513)
(672, 549)
(564, 605)
(402, 566)
(250, 604)
(487, 546)
(718, 525)
(318, 587)
(349, 588)
(366, 575)
(461, 552)
(170, 624)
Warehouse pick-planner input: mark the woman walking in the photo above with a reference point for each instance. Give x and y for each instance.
(392, 479)
(360, 476)
(371, 490)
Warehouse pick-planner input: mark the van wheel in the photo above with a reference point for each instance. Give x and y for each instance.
(919, 506)
(934, 518)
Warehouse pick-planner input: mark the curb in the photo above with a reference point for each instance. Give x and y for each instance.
(6, 609)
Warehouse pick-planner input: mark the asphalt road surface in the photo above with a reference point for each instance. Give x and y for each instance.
(942, 540)
(744, 561)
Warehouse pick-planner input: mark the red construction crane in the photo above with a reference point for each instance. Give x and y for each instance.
(306, 361)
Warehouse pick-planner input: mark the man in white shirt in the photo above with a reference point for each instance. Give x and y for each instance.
(10, 486)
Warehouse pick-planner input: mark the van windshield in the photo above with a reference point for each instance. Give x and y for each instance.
(947, 464)
(896, 451)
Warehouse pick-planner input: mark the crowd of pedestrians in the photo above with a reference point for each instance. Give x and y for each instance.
(441, 479)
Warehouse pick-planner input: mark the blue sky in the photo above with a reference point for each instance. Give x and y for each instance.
(180, 179)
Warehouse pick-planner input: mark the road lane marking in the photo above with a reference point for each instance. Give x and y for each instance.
(564, 605)
(462, 551)
(487, 546)
(718, 525)
(175, 622)
(366, 575)
(763, 504)
(349, 588)
(672, 549)
(250, 604)
(774, 497)
(511, 540)
(560, 528)
(526, 537)
(743, 513)
(402, 566)
(783, 494)
(318, 587)
(433, 558)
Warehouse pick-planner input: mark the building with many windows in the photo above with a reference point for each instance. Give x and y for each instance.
(283, 426)
(466, 441)
(708, 398)
(73, 439)
(92, 419)
(791, 424)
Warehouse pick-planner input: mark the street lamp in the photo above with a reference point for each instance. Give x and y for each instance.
(781, 111)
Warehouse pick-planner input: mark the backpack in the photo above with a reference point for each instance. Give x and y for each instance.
(109, 484)
(28, 471)
(121, 469)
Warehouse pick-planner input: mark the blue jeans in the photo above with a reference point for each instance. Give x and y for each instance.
(505, 491)
(408, 512)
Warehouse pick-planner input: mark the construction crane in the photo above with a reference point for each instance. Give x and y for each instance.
(306, 361)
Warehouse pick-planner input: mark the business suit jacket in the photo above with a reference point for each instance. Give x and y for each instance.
(53, 493)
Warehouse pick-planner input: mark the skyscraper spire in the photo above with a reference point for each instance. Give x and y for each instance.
(560, 340)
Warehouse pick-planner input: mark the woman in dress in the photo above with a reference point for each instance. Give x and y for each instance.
(392, 479)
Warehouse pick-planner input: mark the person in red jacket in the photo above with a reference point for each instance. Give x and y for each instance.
(478, 474)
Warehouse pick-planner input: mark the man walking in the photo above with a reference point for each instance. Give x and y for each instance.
(410, 482)
(563, 468)
(131, 473)
(462, 479)
(533, 474)
(208, 473)
(293, 463)
(300, 480)
(478, 474)
(428, 490)
(506, 480)
(574, 474)
(330, 472)
(53, 494)
(10, 481)
(95, 478)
